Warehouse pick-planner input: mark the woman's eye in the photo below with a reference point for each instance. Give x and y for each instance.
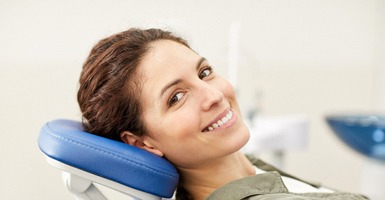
(206, 72)
(176, 98)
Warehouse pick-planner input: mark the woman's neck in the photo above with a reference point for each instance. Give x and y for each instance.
(206, 178)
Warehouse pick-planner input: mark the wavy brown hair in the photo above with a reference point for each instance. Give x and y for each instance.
(110, 85)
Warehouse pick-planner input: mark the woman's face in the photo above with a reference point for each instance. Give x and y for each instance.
(190, 112)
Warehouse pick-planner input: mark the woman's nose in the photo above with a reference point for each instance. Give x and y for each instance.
(210, 96)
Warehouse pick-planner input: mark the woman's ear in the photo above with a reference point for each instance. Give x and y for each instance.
(140, 142)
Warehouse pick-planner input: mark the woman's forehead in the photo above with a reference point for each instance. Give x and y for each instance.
(165, 57)
(168, 52)
(165, 62)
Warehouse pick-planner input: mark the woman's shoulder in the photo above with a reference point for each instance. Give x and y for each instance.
(269, 186)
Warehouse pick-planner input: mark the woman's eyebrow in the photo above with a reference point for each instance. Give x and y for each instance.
(199, 63)
(169, 85)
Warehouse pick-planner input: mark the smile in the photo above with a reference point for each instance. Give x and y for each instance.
(220, 122)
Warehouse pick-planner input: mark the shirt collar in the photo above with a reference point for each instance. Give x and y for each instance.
(266, 183)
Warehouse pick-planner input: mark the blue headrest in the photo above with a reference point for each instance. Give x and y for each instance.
(65, 141)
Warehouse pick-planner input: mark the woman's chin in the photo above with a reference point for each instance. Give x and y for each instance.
(238, 141)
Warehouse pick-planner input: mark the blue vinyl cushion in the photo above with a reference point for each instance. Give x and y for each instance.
(363, 133)
(65, 141)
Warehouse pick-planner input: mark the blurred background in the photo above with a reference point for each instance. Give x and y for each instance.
(307, 58)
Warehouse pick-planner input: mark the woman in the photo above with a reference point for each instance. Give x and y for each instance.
(149, 89)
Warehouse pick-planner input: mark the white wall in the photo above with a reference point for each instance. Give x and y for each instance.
(309, 57)
(379, 55)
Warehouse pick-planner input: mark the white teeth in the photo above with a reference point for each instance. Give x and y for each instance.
(221, 122)
(229, 115)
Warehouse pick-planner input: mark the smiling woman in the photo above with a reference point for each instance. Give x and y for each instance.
(149, 89)
(182, 98)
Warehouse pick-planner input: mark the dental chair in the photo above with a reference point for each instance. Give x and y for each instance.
(85, 159)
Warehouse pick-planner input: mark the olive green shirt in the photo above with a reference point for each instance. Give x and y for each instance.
(269, 186)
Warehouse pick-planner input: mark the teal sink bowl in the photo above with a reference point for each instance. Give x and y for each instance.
(363, 133)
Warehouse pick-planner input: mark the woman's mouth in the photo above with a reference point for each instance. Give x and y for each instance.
(220, 122)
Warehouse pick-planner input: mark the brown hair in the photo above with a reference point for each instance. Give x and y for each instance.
(109, 92)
